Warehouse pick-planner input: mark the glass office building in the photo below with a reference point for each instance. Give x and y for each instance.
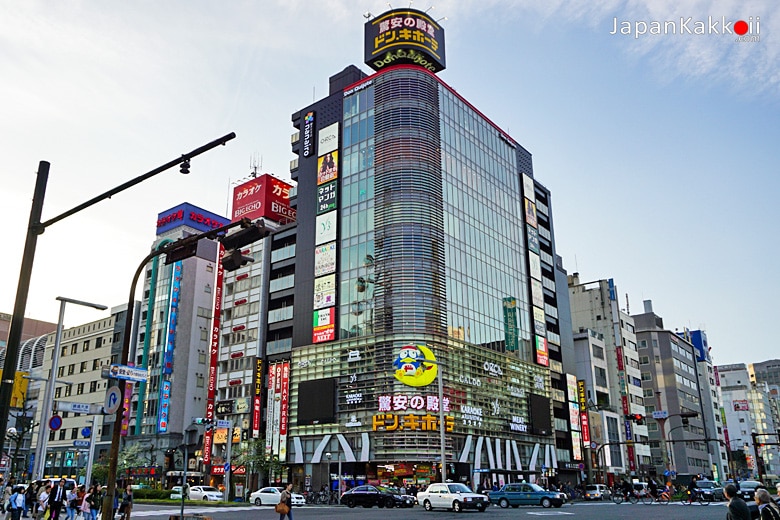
(419, 294)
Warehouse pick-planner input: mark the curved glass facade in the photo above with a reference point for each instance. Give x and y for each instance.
(432, 255)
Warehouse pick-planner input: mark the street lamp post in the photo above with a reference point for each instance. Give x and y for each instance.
(48, 397)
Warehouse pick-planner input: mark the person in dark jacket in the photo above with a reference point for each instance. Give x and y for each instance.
(738, 509)
(767, 507)
(57, 497)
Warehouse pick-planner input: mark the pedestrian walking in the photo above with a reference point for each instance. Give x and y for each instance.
(738, 509)
(284, 507)
(56, 499)
(766, 506)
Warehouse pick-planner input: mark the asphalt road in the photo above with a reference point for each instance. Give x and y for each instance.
(579, 510)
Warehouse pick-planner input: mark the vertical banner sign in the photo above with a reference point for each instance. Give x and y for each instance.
(583, 401)
(257, 402)
(165, 401)
(208, 436)
(269, 413)
(277, 407)
(285, 401)
(173, 313)
(127, 404)
(621, 370)
(510, 324)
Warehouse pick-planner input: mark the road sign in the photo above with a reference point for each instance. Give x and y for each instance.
(661, 414)
(86, 431)
(113, 400)
(227, 467)
(55, 423)
(87, 408)
(127, 373)
(81, 444)
(593, 445)
(223, 424)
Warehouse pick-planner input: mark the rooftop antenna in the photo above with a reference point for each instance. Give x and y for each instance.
(367, 15)
(430, 8)
(628, 309)
(440, 19)
(254, 166)
(390, 6)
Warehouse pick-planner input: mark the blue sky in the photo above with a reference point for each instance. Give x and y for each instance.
(661, 151)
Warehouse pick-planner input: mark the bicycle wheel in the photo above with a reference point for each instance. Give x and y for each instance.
(617, 498)
(702, 501)
(633, 498)
(685, 499)
(663, 498)
(647, 499)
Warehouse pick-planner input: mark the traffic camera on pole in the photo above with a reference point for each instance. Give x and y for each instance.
(234, 258)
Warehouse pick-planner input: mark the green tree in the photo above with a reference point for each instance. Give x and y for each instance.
(256, 461)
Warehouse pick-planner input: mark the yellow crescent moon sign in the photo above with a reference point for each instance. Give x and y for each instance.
(425, 375)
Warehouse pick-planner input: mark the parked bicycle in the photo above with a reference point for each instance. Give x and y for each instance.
(698, 496)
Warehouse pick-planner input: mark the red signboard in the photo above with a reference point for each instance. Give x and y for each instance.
(208, 436)
(585, 427)
(263, 197)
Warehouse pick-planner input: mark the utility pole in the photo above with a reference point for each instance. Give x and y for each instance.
(34, 228)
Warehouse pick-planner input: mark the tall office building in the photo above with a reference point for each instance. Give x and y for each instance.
(173, 342)
(675, 382)
(766, 374)
(594, 306)
(425, 293)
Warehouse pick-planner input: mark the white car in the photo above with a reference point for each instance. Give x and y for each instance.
(455, 496)
(176, 493)
(208, 493)
(269, 496)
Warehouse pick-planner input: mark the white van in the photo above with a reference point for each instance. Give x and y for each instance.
(597, 492)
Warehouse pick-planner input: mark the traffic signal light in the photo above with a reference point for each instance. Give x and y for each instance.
(636, 417)
(202, 420)
(234, 258)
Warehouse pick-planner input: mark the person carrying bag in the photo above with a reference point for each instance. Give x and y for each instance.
(284, 507)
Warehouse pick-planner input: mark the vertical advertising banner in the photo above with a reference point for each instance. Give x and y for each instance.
(257, 399)
(211, 391)
(277, 409)
(582, 397)
(165, 401)
(173, 316)
(269, 413)
(510, 324)
(283, 419)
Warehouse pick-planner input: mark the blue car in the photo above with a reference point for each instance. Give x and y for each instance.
(526, 494)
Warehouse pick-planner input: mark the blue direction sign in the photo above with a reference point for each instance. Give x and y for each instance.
(127, 373)
(81, 444)
(55, 423)
(86, 432)
(227, 467)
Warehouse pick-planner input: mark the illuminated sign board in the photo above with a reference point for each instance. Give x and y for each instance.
(542, 352)
(583, 402)
(411, 367)
(403, 402)
(510, 324)
(165, 402)
(173, 316)
(263, 197)
(324, 326)
(741, 405)
(327, 167)
(308, 134)
(325, 228)
(411, 422)
(325, 291)
(326, 197)
(188, 215)
(325, 259)
(328, 139)
(405, 36)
